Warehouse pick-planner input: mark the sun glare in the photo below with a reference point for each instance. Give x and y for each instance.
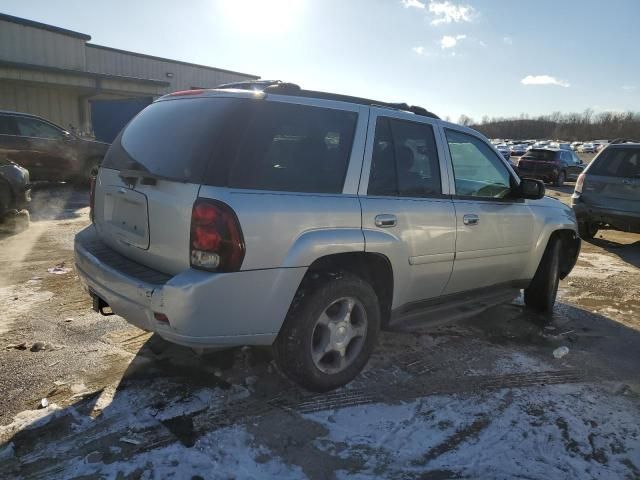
(261, 16)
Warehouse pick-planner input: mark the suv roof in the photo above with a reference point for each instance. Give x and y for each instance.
(291, 89)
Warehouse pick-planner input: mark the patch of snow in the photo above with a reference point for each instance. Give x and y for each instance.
(561, 431)
(29, 419)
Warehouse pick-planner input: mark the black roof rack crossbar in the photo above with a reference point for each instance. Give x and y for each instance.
(284, 88)
(622, 140)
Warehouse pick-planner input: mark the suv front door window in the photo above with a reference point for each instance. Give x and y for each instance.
(493, 230)
(31, 127)
(478, 171)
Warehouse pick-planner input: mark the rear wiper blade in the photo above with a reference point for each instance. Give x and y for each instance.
(147, 177)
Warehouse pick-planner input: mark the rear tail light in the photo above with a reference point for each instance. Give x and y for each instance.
(92, 196)
(579, 183)
(217, 243)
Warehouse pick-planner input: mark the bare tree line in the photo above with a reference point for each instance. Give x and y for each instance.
(587, 125)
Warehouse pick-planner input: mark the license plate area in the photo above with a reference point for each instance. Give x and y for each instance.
(126, 216)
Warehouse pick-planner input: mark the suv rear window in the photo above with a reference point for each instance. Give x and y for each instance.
(239, 143)
(541, 155)
(172, 138)
(617, 162)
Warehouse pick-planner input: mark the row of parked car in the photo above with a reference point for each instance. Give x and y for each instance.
(31, 149)
(515, 148)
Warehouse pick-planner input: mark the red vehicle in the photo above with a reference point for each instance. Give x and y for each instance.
(551, 165)
(48, 151)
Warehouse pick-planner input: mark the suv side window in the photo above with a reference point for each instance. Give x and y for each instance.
(31, 127)
(405, 160)
(477, 170)
(295, 148)
(7, 125)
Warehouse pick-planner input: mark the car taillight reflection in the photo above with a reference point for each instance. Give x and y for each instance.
(216, 240)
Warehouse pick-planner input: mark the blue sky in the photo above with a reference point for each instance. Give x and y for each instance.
(477, 57)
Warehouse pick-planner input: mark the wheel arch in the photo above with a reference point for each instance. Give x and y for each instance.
(374, 268)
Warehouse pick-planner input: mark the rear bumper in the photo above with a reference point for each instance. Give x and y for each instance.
(620, 220)
(544, 175)
(204, 309)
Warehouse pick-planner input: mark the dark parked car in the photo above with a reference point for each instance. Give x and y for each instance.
(607, 194)
(48, 151)
(15, 189)
(552, 165)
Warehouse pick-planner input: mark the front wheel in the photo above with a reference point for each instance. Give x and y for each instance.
(540, 295)
(329, 333)
(587, 230)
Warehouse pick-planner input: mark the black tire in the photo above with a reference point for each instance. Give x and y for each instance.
(6, 198)
(293, 348)
(541, 293)
(587, 230)
(560, 179)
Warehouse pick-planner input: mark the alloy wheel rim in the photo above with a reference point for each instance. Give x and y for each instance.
(339, 335)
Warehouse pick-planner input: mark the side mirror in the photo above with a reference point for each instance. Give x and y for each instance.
(531, 189)
(68, 137)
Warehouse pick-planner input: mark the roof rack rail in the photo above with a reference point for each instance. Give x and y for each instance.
(259, 85)
(285, 88)
(622, 140)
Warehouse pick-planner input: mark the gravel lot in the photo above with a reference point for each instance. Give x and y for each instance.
(481, 398)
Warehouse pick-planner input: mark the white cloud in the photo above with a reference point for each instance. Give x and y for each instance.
(413, 4)
(482, 44)
(508, 40)
(543, 80)
(418, 50)
(450, 42)
(447, 12)
(629, 88)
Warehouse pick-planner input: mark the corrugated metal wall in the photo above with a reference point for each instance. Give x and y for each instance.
(56, 104)
(103, 60)
(21, 43)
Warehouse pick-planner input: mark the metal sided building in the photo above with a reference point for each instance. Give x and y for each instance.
(56, 74)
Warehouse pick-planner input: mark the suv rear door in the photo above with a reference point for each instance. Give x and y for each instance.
(404, 197)
(613, 181)
(494, 231)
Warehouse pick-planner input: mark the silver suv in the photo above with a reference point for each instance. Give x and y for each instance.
(607, 193)
(267, 214)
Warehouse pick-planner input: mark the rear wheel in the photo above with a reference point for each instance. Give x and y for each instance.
(329, 333)
(540, 295)
(6, 199)
(587, 230)
(559, 181)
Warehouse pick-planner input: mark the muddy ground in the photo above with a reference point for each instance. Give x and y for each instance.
(481, 398)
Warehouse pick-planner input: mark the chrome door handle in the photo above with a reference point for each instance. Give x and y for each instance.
(471, 219)
(386, 220)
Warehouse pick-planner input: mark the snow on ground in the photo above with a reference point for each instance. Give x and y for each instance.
(561, 431)
(572, 431)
